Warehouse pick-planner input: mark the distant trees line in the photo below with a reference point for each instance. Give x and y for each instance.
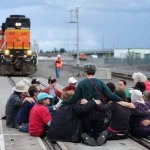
(55, 51)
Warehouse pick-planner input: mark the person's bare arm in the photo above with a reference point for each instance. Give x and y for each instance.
(29, 99)
(126, 104)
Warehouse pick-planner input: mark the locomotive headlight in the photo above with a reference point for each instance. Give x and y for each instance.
(18, 24)
(29, 52)
(6, 52)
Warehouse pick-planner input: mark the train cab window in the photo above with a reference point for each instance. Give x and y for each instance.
(0, 36)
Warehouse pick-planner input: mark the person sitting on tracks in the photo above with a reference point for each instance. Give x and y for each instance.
(122, 85)
(140, 127)
(88, 89)
(52, 90)
(40, 117)
(119, 124)
(72, 85)
(14, 103)
(35, 81)
(140, 77)
(111, 86)
(138, 86)
(23, 114)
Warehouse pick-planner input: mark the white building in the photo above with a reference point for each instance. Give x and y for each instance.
(123, 53)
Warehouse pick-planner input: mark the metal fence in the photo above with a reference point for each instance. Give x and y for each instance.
(117, 61)
(127, 61)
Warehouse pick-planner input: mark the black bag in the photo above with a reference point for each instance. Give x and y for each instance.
(65, 126)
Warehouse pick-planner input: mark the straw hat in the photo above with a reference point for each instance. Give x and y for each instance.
(20, 87)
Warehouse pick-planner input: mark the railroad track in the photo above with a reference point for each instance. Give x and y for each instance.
(143, 141)
(122, 75)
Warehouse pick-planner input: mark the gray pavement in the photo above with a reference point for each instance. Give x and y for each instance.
(46, 69)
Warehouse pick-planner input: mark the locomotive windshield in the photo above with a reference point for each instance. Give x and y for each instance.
(16, 20)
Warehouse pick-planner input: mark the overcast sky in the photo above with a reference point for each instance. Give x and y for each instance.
(102, 23)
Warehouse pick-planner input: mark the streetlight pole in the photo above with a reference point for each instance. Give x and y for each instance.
(78, 61)
(77, 40)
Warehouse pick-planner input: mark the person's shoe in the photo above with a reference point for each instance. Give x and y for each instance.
(102, 138)
(88, 140)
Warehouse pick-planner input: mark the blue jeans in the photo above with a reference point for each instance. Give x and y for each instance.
(24, 128)
(57, 72)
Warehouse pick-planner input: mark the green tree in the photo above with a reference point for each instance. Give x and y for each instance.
(62, 50)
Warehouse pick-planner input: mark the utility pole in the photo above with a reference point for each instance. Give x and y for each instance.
(76, 20)
(103, 43)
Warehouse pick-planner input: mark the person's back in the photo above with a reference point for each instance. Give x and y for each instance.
(88, 89)
(14, 103)
(23, 114)
(12, 107)
(37, 122)
(136, 123)
(120, 118)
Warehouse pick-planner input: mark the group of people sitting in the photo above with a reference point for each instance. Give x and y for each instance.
(105, 112)
(20, 112)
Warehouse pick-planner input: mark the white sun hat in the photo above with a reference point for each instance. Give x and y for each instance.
(20, 87)
(72, 80)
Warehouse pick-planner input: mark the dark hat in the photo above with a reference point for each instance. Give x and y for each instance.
(51, 80)
(35, 81)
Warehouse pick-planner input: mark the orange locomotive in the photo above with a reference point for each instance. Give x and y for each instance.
(16, 56)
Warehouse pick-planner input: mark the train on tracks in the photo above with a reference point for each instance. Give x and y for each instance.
(16, 55)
